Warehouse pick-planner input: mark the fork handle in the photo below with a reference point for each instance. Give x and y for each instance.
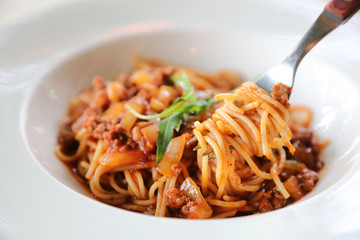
(343, 9)
(335, 13)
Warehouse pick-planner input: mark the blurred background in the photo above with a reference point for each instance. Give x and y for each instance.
(11, 10)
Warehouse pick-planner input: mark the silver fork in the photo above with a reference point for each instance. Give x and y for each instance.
(335, 13)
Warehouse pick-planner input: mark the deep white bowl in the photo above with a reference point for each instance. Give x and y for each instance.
(49, 57)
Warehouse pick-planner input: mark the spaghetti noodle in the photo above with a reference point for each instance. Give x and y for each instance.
(241, 155)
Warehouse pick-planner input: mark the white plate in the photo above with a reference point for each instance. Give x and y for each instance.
(48, 57)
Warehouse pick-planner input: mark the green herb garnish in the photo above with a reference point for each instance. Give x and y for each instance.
(184, 82)
(187, 104)
(168, 125)
(194, 109)
(166, 131)
(179, 104)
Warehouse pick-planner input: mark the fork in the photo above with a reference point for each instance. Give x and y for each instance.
(336, 12)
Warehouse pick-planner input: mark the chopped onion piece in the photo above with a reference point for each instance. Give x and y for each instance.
(166, 94)
(115, 91)
(129, 119)
(140, 78)
(292, 186)
(151, 133)
(156, 104)
(191, 190)
(135, 158)
(113, 111)
(173, 154)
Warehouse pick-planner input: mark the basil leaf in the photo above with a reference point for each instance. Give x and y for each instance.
(166, 132)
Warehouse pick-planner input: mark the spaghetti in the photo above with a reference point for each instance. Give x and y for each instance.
(241, 155)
